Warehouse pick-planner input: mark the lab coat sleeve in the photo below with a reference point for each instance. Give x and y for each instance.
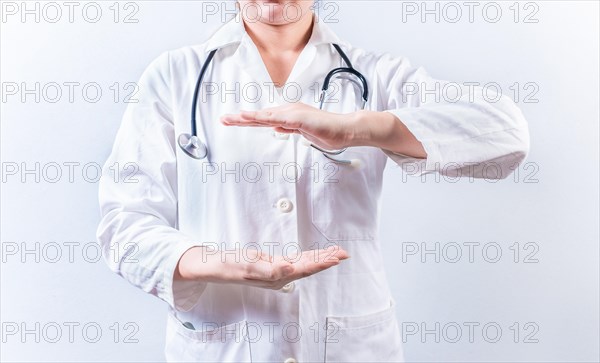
(138, 196)
(463, 131)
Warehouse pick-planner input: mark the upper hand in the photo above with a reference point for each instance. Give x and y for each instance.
(324, 129)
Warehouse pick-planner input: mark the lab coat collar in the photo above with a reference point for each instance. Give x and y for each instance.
(323, 34)
(234, 32)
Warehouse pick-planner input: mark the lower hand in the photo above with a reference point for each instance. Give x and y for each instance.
(255, 268)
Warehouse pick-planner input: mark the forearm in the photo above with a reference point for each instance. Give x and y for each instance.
(384, 130)
(198, 264)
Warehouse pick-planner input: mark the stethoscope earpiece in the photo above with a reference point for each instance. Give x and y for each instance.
(192, 146)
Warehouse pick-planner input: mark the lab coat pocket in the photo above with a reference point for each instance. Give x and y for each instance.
(215, 343)
(368, 338)
(344, 197)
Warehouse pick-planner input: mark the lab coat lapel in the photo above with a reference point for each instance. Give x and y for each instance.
(249, 60)
(305, 59)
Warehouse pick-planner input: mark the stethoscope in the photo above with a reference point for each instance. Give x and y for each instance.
(195, 148)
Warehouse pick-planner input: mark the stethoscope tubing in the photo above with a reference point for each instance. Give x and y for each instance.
(195, 148)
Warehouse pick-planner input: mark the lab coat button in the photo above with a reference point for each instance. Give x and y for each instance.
(288, 287)
(290, 360)
(285, 205)
(280, 135)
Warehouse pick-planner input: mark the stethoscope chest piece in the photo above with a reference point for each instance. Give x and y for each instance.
(192, 146)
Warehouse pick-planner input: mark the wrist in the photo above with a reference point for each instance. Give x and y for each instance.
(203, 263)
(371, 128)
(196, 264)
(358, 130)
(183, 270)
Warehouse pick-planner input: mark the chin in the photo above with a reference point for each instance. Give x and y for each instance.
(276, 12)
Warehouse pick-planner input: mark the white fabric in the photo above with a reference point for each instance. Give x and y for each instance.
(177, 202)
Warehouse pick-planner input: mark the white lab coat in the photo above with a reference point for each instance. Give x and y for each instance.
(270, 191)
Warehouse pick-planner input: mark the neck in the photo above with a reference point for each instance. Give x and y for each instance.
(281, 37)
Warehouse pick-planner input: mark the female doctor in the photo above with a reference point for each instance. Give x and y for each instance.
(264, 247)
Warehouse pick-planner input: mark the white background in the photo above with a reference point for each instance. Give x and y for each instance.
(552, 203)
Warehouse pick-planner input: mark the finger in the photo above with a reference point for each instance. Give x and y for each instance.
(316, 256)
(250, 116)
(332, 252)
(237, 120)
(314, 262)
(262, 113)
(338, 252)
(245, 124)
(328, 257)
(286, 131)
(309, 267)
(273, 117)
(266, 115)
(230, 117)
(265, 256)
